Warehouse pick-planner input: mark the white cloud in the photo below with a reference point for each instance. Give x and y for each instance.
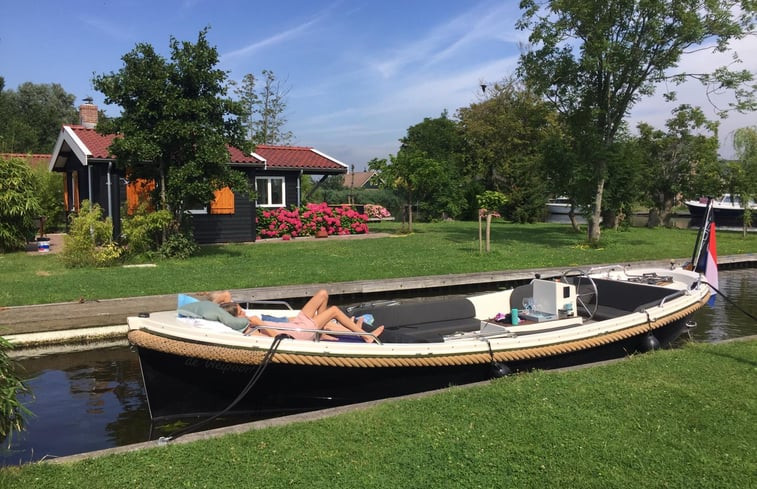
(482, 23)
(279, 38)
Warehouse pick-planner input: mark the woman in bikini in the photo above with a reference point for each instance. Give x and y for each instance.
(315, 314)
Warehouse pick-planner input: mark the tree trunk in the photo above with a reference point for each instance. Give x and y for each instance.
(480, 237)
(654, 218)
(573, 222)
(410, 213)
(596, 215)
(164, 199)
(667, 212)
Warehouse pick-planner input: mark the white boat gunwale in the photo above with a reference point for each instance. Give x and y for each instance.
(165, 324)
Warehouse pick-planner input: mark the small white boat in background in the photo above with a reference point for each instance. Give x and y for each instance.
(559, 205)
(726, 206)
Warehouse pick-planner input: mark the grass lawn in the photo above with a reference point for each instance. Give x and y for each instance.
(433, 249)
(669, 419)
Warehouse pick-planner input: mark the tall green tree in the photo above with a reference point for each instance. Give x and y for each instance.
(412, 174)
(672, 158)
(175, 124)
(745, 184)
(503, 134)
(439, 139)
(249, 100)
(264, 109)
(595, 60)
(32, 117)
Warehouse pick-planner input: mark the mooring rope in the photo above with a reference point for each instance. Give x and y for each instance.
(253, 380)
(730, 301)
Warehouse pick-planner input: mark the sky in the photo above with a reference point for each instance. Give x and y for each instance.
(358, 72)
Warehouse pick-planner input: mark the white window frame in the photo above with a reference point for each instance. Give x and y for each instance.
(268, 190)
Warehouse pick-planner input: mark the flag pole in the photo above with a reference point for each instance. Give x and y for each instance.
(704, 230)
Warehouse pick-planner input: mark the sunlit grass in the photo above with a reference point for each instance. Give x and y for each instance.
(673, 419)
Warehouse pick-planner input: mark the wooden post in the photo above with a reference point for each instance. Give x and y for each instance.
(480, 237)
(488, 231)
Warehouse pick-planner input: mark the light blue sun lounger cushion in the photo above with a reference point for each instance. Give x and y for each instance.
(184, 299)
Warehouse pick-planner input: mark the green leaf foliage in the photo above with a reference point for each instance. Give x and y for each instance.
(744, 182)
(674, 161)
(143, 231)
(12, 412)
(595, 60)
(32, 117)
(176, 123)
(19, 206)
(504, 134)
(89, 240)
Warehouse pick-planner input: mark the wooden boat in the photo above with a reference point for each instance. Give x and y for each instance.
(197, 367)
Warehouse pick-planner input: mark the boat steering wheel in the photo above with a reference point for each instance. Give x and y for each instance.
(582, 298)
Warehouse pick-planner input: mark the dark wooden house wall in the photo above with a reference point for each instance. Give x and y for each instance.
(227, 228)
(208, 228)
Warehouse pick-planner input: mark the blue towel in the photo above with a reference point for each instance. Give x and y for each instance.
(275, 319)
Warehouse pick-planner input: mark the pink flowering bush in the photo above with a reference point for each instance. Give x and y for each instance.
(306, 220)
(375, 211)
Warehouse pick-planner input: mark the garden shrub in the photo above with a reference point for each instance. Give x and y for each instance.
(306, 220)
(179, 245)
(376, 211)
(143, 231)
(89, 241)
(49, 190)
(19, 205)
(12, 412)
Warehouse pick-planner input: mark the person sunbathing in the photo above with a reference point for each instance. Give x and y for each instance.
(221, 296)
(328, 319)
(315, 314)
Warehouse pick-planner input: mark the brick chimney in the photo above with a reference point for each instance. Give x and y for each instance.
(88, 114)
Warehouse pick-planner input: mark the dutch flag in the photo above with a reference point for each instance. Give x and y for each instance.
(707, 260)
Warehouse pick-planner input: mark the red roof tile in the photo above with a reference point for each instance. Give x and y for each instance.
(279, 157)
(237, 156)
(96, 143)
(297, 157)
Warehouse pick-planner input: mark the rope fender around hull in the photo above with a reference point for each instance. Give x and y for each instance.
(242, 356)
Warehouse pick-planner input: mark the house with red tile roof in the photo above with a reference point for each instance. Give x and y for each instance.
(90, 173)
(361, 179)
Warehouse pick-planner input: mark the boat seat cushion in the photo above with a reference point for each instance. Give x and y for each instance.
(424, 320)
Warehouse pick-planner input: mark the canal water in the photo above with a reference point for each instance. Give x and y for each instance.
(93, 399)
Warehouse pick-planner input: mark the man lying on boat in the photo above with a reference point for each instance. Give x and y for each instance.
(315, 314)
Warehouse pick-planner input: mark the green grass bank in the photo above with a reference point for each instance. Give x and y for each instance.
(433, 249)
(671, 419)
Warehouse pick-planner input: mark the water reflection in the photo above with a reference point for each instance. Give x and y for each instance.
(725, 321)
(81, 401)
(91, 400)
